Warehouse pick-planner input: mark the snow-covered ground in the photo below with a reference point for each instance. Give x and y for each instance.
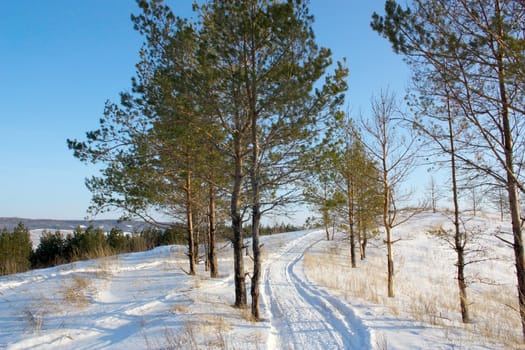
(312, 298)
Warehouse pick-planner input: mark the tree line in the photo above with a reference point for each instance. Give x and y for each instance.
(55, 248)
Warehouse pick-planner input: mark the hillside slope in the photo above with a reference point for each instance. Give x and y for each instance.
(312, 299)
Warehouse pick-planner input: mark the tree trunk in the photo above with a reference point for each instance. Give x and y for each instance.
(518, 250)
(512, 187)
(189, 220)
(256, 277)
(387, 223)
(212, 227)
(352, 237)
(206, 249)
(433, 195)
(516, 219)
(390, 262)
(236, 216)
(256, 204)
(196, 240)
(363, 240)
(459, 241)
(351, 230)
(501, 203)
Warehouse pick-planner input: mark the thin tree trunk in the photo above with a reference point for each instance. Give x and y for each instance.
(433, 195)
(390, 262)
(387, 223)
(212, 255)
(189, 219)
(326, 214)
(501, 203)
(364, 241)
(206, 248)
(459, 241)
(351, 230)
(360, 239)
(196, 240)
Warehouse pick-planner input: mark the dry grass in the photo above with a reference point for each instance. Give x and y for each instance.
(493, 308)
(39, 309)
(178, 309)
(495, 314)
(333, 270)
(187, 337)
(432, 311)
(76, 292)
(218, 326)
(174, 340)
(105, 267)
(246, 314)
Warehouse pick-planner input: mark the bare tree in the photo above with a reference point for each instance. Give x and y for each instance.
(391, 146)
(435, 193)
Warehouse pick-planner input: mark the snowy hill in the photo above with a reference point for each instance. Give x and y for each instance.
(312, 298)
(63, 225)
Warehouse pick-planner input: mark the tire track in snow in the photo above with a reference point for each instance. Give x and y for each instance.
(304, 316)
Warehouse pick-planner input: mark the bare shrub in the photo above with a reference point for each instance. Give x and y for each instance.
(246, 314)
(76, 292)
(34, 319)
(496, 315)
(494, 310)
(181, 340)
(178, 309)
(105, 267)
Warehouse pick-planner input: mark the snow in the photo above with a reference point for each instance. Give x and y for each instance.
(311, 298)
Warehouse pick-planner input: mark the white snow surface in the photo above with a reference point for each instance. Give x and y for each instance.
(147, 301)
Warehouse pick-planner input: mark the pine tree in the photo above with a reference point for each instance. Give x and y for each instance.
(265, 62)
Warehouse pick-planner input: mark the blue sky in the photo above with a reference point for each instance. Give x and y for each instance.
(62, 59)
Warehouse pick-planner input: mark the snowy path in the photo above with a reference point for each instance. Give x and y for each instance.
(302, 314)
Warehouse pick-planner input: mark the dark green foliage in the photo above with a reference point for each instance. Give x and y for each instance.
(15, 250)
(17, 255)
(51, 251)
(275, 228)
(88, 243)
(153, 237)
(117, 240)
